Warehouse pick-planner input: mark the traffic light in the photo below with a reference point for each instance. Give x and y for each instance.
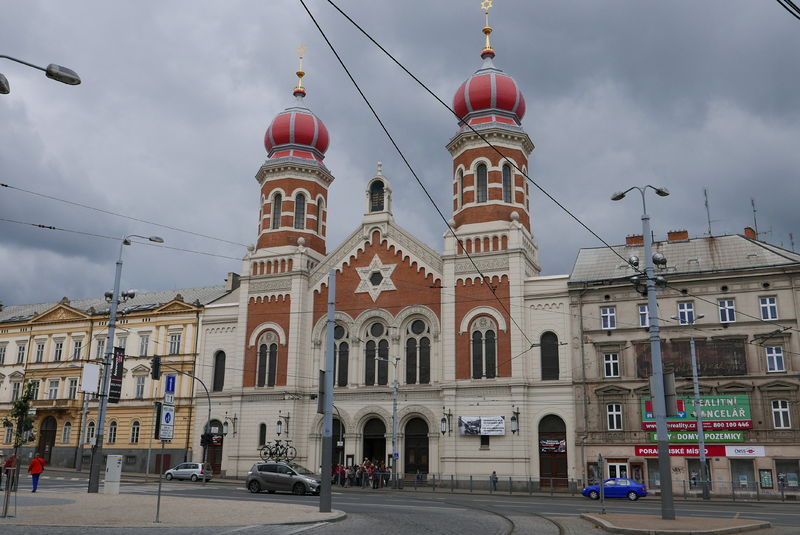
(205, 439)
(155, 367)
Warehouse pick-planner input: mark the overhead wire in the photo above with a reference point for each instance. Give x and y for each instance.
(789, 6)
(407, 163)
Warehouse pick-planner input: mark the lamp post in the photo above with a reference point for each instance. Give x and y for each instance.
(97, 448)
(395, 386)
(514, 420)
(701, 434)
(446, 425)
(52, 71)
(667, 503)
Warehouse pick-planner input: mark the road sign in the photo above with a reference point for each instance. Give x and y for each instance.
(166, 423)
(396, 455)
(169, 399)
(169, 387)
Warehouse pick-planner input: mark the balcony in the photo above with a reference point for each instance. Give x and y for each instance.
(55, 404)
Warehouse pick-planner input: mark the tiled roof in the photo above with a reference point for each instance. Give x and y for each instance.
(144, 301)
(698, 255)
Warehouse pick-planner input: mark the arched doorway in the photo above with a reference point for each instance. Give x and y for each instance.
(214, 454)
(47, 438)
(375, 440)
(416, 447)
(338, 442)
(553, 452)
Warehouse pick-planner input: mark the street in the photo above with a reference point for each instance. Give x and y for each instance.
(415, 512)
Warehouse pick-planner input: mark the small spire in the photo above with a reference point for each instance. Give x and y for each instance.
(380, 169)
(487, 30)
(299, 91)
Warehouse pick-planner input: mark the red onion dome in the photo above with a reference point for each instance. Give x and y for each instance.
(297, 132)
(489, 95)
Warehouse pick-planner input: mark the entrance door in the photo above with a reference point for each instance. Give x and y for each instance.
(214, 453)
(338, 442)
(553, 452)
(47, 438)
(375, 440)
(617, 468)
(415, 457)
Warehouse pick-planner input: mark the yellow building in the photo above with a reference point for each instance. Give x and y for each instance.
(49, 344)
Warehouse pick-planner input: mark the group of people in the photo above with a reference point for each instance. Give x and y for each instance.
(35, 469)
(367, 474)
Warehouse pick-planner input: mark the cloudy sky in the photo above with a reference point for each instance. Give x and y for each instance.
(168, 124)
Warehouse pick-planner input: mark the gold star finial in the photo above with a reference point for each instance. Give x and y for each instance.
(487, 30)
(301, 51)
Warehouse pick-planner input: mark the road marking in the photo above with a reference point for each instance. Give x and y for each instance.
(306, 528)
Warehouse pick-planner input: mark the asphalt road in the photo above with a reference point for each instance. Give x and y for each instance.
(422, 512)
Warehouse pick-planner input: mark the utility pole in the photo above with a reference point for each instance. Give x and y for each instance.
(325, 497)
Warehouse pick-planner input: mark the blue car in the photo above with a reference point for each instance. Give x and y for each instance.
(617, 488)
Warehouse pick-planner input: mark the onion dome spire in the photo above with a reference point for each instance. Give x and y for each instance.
(296, 132)
(299, 91)
(487, 51)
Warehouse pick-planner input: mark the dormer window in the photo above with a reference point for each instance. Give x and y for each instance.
(376, 191)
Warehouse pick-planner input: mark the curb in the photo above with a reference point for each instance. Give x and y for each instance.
(611, 528)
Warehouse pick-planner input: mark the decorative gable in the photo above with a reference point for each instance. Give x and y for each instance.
(778, 386)
(176, 305)
(734, 387)
(612, 391)
(60, 312)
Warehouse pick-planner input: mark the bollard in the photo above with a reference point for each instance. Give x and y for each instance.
(551, 486)
(434, 482)
(685, 495)
(758, 494)
(470, 482)
(530, 487)
(452, 488)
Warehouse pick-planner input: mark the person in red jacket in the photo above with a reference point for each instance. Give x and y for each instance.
(35, 469)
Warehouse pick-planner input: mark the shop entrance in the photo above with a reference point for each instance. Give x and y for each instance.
(375, 440)
(47, 438)
(214, 453)
(552, 452)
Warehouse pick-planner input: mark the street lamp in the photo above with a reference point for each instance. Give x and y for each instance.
(395, 386)
(446, 423)
(514, 420)
(667, 503)
(97, 449)
(52, 71)
(279, 424)
(227, 419)
(701, 434)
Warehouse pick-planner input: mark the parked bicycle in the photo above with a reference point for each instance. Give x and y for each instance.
(281, 450)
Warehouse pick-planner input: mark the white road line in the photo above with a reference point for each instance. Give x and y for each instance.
(306, 528)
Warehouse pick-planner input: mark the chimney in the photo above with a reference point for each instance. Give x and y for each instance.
(678, 235)
(231, 282)
(750, 233)
(634, 239)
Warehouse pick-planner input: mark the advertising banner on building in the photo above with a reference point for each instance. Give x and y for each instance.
(719, 413)
(712, 450)
(482, 425)
(708, 436)
(117, 365)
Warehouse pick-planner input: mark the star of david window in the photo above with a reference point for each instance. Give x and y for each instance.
(375, 278)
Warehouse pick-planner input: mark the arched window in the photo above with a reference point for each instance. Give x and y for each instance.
(341, 355)
(90, 433)
(262, 434)
(481, 184)
(418, 353)
(267, 364)
(507, 184)
(135, 432)
(377, 346)
(66, 433)
(300, 211)
(484, 349)
(277, 206)
(219, 372)
(112, 432)
(460, 191)
(549, 348)
(320, 214)
(376, 196)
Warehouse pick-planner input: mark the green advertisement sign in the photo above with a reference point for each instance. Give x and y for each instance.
(708, 436)
(719, 413)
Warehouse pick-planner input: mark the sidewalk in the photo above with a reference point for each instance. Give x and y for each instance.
(53, 508)
(632, 524)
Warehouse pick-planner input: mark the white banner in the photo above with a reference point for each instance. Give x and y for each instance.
(91, 378)
(482, 425)
(745, 451)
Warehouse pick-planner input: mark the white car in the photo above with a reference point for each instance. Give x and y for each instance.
(192, 471)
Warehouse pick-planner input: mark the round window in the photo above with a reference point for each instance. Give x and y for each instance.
(338, 332)
(418, 327)
(376, 330)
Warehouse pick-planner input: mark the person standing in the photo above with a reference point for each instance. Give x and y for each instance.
(35, 469)
(494, 481)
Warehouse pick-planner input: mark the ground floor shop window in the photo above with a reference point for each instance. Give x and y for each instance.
(742, 475)
(787, 470)
(592, 473)
(653, 475)
(695, 475)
